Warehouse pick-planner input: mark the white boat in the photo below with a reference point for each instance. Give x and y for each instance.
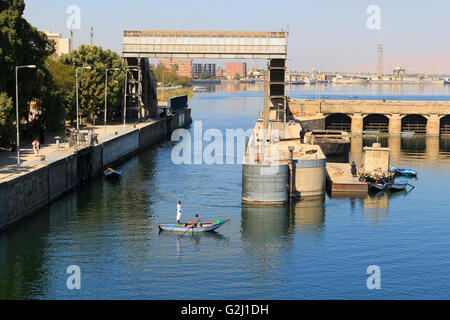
(352, 80)
(200, 89)
(210, 226)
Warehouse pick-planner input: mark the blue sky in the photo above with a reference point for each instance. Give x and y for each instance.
(325, 35)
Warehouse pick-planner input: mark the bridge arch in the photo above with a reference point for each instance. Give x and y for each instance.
(338, 121)
(376, 122)
(414, 123)
(445, 125)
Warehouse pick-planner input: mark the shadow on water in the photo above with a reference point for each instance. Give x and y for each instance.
(23, 258)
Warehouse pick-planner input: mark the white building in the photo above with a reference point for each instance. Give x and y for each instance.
(62, 45)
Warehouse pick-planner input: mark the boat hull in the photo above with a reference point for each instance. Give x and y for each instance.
(399, 186)
(377, 186)
(113, 174)
(182, 228)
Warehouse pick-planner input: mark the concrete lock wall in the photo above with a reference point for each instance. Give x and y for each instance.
(119, 147)
(3, 206)
(25, 194)
(62, 177)
(151, 134)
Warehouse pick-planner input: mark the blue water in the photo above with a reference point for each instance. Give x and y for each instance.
(316, 249)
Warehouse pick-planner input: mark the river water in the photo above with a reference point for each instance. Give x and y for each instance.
(316, 249)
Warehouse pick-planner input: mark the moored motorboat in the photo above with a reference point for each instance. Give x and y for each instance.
(377, 186)
(404, 172)
(111, 173)
(204, 227)
(397, 186)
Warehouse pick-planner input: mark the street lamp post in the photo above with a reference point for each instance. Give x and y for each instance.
(31, 66)
(76, 80)
(106, 91)
(78, 112)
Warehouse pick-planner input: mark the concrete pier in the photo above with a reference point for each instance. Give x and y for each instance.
(276, 170)
(39, 182)
(340, 179)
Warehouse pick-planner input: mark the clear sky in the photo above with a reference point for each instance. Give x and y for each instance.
(325, 35)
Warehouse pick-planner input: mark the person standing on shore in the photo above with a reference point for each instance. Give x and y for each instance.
(35, 146)
(353, 169)
(179, 212)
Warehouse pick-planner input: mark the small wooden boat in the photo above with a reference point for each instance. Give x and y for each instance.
(377, 186)
(111, 173)
(204, 227)
(398, 186)
(404, 172)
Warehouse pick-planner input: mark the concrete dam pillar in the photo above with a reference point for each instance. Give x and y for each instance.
(395, 123)
(357, 123)
(310, 177)
(433, 124)
(265, 184)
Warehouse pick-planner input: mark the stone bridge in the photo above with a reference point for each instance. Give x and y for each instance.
(389, 116)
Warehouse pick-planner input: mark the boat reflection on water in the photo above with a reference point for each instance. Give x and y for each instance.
(190, 238)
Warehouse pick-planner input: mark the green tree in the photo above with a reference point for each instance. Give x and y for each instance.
(205, 75)
(22, 44)
(91, 90)
(6, 119)
(168, 77)
(237, 76)
(63, 77)
(175, 67)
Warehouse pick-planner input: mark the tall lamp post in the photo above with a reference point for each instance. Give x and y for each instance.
(76, 80)
(125, 93)
(31, 66)
(106, 90)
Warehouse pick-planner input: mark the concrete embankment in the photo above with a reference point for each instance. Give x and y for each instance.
(21, 195)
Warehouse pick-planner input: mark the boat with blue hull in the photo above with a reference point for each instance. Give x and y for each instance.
(397, 186)
(111, 173)
(404, 172)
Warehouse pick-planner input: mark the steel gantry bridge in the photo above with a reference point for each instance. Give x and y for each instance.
(205, 44)
(138, 46)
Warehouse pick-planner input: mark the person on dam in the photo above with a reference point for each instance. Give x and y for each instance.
(179, 212)
(353, 169)
(302, 135)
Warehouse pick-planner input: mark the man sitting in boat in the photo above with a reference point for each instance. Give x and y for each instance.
(197, 222)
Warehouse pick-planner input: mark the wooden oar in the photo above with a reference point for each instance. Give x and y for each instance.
(188, 230)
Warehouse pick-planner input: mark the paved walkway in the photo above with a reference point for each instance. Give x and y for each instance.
(29, 162)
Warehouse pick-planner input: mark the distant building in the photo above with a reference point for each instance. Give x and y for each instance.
(198, 68)
(220, 72)
(236, 68)
(62, 45)
(184, 65)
